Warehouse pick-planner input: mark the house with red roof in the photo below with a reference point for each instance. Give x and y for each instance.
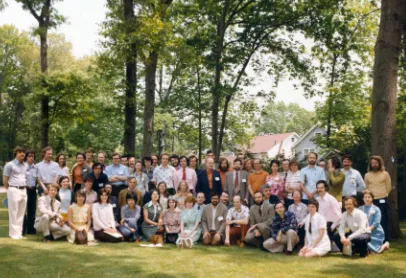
(266, 146)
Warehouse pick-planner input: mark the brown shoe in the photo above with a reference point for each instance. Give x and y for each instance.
(242, 245)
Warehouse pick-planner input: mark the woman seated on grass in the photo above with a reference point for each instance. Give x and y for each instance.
(152, 211)
(79, 217)
(190, 230)
(130, 214)
(183, 192)
(104, 224)
(171, 221)
(317, 243)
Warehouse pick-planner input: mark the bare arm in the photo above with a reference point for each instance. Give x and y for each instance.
(5, 181)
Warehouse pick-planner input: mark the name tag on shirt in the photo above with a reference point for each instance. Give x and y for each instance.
(113, 205)
(299, 208)
(101, 184)
(84, 170)
(382, 201)
(120, 173)
(244, 180)
(217, 178)
(355, 224)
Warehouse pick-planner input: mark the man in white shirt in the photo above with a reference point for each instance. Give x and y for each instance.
(48, 171)
(236, 223)
(357, 239)
(165, 173)
(49, 220)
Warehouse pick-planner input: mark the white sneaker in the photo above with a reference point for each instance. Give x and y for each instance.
(16, 237)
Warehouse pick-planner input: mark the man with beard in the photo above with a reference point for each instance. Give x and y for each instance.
(131, 165)
(379, 182)
(236, 183)
(224, 168)
(353, 183)
(329, 208)
(100, 179)
(261, 218)
(214, 221)
(310, 175)
(224, 198)
(356, 240)
(175, 161)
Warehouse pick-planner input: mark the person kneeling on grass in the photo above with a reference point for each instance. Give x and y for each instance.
(152, 227)
(130, 214)
(317, 241)
(79, 217)
(356, 241)
(284, 231)
(104, 224)
(236, 223)
(49, 221)
(190, 230)
(171, 220)
(214, 221)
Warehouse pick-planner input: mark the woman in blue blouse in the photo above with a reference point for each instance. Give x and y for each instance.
(130, 214)
(374, 219)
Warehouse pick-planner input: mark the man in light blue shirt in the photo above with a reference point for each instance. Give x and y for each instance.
(117, 174)
(309, 176)
(353, 183)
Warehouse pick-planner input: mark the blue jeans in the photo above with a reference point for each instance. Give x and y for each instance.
(125, 230)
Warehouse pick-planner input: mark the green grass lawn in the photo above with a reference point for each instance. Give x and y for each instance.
(33, 258)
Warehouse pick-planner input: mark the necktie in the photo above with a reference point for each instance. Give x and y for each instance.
(236, 183)
(52, 205)
(184, 174)
(310, 226)
(286, 176)
(260, 211)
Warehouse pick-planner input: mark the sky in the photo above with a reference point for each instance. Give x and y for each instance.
(83, 22)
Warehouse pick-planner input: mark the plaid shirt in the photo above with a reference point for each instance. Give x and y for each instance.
(287, 223)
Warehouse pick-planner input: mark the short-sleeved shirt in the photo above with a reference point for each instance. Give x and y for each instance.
(233, 214)
(117, 170)
(16, 173)
(48, 172)
(256, 180)
(310, 176)
(293, 181)
(164, 174)
(32, 173)
(353, 182)
(300, 211)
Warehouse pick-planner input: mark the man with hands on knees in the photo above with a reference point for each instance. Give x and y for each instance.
(214, 221)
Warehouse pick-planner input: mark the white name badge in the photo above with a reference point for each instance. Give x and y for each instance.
(84, 170)
(244, 180)
(217, 178)
(120, 173)
(382, 201)
(299, 208)
(355, 224)
(101, 184)
(113, 205)
(220, 218)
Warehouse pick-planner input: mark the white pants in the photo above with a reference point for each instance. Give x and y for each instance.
(46, 226)
(17, 202)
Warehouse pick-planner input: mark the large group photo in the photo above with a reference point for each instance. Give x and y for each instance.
(202, 138)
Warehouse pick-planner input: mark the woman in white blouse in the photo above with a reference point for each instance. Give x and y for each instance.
(104, 224)
(317, 243)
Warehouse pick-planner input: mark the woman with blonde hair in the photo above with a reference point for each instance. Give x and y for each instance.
(183, 192)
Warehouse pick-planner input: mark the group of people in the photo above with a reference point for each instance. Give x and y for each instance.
(314, 209)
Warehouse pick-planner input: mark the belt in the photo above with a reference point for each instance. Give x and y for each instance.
(19, 187)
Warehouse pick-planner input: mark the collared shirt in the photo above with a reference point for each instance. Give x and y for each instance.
(213, 222)
(357, 222)
(164, 174)
(379, 183)
(149, 173)
(287, 223)
(256, 180)
(353, 182)
(310, 176)
(99, 182)
(16, 173)
(276, 184)
(117, 170)
(293, 181)
(142, 182)
(233, 214)
(200, 208)
(32, 173)
(130, 214)
(330, 209)
(300, 211)
(191, 178)
(48, 172)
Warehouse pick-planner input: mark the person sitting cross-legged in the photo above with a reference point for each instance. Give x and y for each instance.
(261, 217)
(214, 221)
(284, 231)
(236, 223)
(49, 221)
(130, 214)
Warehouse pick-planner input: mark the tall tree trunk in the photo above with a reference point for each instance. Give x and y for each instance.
(200, 115)
(150, 84)
(384, 94)
(330, 100)
(44, 99)
(131, 82)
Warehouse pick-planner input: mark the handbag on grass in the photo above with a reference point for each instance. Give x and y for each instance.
(347, 250)
(156, 239)
(81, 237)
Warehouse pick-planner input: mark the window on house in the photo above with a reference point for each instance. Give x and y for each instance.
(293, 139)
(306, 151)
(317, 133)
